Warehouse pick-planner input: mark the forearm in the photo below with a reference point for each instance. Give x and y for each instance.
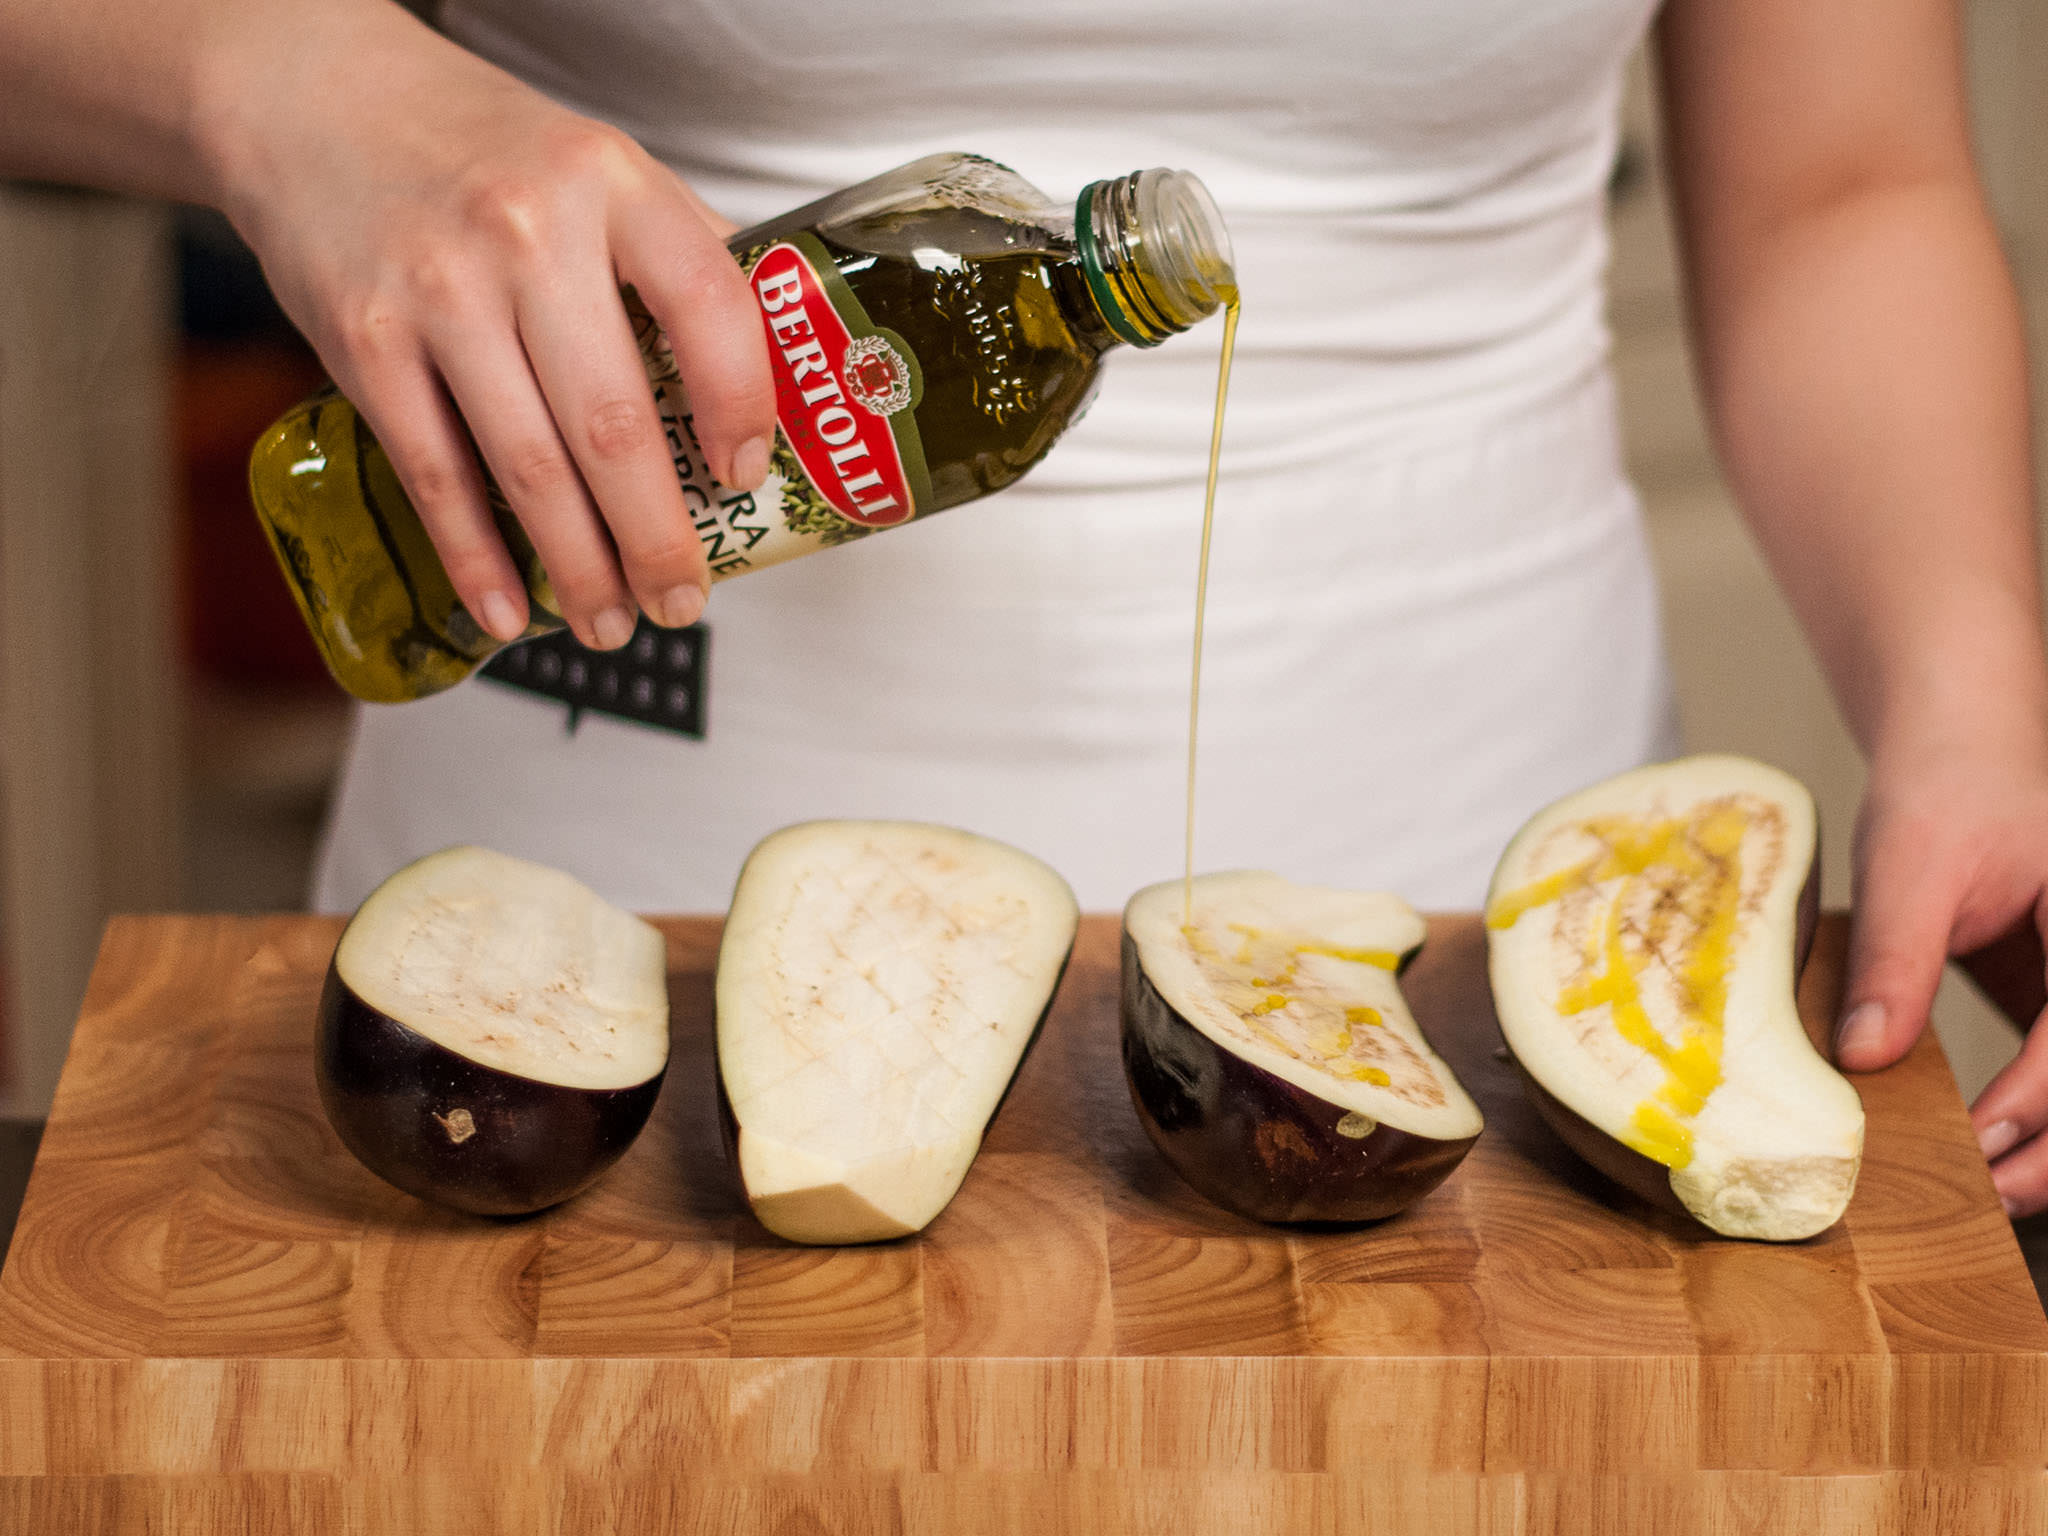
(161, 96)
(1865, 373)
(453, 243)
(1864, 369)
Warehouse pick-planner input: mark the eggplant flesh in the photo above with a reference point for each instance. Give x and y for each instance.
(1271, 1056)
(492, 1035)
(878, 986)
(1644, 941)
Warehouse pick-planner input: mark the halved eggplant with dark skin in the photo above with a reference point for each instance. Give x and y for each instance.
(1645, 938)
(492, 1035)
(1271, 1056)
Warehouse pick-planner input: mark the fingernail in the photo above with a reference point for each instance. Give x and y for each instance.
(613, 628)
(500, 618)
(750, 464)
(1862, 1029)
(683, 605)
(1997, 1138)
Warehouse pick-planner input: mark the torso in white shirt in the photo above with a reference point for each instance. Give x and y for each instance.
(1431, 608)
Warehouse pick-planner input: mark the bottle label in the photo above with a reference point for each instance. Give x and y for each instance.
(847, 457)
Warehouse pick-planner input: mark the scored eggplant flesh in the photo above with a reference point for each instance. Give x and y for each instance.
(515, 966)
(1644, 941)
(1271, 1055)
(878, 985)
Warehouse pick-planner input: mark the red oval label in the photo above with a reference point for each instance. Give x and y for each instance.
(834, 394)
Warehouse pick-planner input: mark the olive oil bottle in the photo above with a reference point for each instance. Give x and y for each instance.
(932, 332)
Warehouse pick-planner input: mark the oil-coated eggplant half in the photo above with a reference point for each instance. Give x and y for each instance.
(878, 985)
(1645, 936)
(1271, 1055)
(493, 1034)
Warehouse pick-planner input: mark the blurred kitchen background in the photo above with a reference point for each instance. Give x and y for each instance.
(171, 739)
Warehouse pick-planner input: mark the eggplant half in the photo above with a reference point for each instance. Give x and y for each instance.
(1271, 1055)
(1644, 942)
(493, 1034)
(878, 985)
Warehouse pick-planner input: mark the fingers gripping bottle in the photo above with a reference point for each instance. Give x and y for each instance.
(932, 332)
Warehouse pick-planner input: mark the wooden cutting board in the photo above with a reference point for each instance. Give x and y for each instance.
(213, 1319)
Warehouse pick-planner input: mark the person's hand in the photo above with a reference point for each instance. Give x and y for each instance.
(451, 241)
(1952, 859)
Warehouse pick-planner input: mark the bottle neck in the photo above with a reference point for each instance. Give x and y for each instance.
(1155, 253)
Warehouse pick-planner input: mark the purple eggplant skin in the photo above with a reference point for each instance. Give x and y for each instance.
(1254, 1143)
(458, 1133)
(1645, 1177)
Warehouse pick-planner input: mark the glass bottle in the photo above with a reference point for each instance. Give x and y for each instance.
(932, 332)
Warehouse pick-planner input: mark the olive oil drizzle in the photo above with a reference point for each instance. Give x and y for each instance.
(1314, 1024)
(1228, 293)
(1692, 866)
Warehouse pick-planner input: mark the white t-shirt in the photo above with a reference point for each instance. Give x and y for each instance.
(1431, 609)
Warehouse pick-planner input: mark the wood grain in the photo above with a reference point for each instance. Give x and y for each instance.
(213, 1319)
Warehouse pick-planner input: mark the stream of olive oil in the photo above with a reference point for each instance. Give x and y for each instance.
(1228, 293)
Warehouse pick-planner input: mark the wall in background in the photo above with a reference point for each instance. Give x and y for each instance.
(91, 773)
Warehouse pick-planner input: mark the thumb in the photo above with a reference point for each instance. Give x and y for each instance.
(1898, 943)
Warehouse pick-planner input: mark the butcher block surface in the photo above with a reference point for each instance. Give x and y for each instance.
(214, 1319)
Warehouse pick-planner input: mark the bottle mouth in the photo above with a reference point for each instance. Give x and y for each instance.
(1155, 253)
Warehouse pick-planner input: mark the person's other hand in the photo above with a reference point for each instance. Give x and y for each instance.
(1952, 859)
(453, 243)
